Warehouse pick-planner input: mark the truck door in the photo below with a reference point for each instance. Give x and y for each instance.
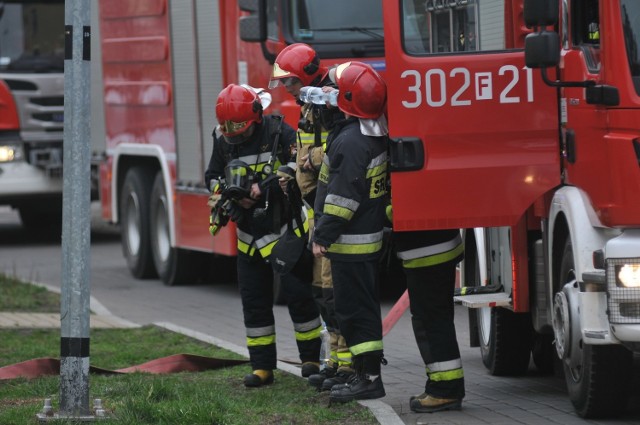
(475, 132)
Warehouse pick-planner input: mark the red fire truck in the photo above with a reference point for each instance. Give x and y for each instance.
(539, 168)
(31, 109)
(163, 64)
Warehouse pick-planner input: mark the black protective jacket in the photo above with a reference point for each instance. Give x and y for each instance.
(351, 198)
(257, 231)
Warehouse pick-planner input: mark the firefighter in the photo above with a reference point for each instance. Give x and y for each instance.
(429, 259)
(262, 143)
(297, 66)
(350, 214)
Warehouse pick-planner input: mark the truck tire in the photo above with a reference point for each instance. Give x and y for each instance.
(506, 344)
(504, 337)
(42, 217)
(173, 265)
(134, 221)
(598, 377)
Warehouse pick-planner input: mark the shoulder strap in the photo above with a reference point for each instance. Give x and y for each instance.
(275, 129)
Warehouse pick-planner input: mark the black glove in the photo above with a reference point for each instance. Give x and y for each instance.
(268, 183)
(235, 212)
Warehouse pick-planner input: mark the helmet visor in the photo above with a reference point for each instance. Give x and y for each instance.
(231, 128)
(285, 81)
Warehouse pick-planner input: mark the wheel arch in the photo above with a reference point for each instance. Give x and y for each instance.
(150, 157)
(572, 216)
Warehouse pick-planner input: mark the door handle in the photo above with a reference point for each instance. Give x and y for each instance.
(406, 154)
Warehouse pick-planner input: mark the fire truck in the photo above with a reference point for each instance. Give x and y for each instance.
(32, 110)
(539, 168)
(158, 68)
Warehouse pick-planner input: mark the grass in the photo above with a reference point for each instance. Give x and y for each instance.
(16, 296)
(213, 397)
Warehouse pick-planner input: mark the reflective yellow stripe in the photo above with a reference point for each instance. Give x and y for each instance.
(375, 171)
(344, 358)
(310, 138)
(366, 347)
(345, 213)
(434, 259)
(265, 251)
(324, 173)
(309, 335)
(367, 248)
(244, 248)
(449, 375)
(262, 340)
(334, 356)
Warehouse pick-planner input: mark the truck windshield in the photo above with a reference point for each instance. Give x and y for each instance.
(32, 36)
(336, 20)
(631, 25)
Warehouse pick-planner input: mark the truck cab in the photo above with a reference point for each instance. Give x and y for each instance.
(527, 141)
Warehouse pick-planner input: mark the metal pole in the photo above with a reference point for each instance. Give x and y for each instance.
(76, 203)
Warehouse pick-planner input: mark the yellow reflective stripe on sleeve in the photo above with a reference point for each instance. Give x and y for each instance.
(309, 335)
(323, 176)
(449, 375)
(434, 259)
(261, 340)
(345, 213)
(376, 171)
(366, 347)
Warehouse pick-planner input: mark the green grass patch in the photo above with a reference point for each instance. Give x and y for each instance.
(214, 397)
(17, 296)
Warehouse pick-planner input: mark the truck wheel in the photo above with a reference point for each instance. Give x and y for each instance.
(543, 353)
(134, 219)
(174, 266)
(504, 337)
(598, 377)
(505, 341)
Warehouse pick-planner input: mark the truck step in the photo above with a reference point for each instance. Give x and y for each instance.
(498, 299)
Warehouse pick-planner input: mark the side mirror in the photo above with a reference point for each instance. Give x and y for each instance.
(252, 28)
(542, 49)
(540, 13)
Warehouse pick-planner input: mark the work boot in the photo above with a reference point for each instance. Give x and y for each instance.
(425, 403)
(310, 368)
(258, 378)
(317, 379)
(360, 388)
(341, 378)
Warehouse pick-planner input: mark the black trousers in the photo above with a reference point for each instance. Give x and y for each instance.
(431, 304)
(357, 305)
(255, 280)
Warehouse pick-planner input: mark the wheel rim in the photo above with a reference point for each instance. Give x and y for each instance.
(162, 231)
(575, 360)
(132, 224)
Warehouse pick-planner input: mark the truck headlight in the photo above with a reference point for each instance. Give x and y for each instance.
(628, 275)
(10, 153)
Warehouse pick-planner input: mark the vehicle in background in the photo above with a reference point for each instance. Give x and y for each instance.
(539, 168)
(158, 67)
(32, 110)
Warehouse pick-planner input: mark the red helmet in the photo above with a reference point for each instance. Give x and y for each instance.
(363, 93)
(237, 109)
(297, 60)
